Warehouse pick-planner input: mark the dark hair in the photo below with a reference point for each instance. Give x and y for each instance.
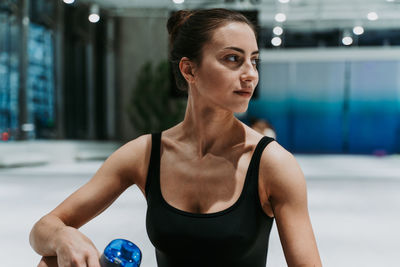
(189, 31)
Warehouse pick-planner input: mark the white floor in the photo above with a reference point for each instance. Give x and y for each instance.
(354, 205)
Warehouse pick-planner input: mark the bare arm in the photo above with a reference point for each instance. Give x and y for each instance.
(56, 233)
(287, 194)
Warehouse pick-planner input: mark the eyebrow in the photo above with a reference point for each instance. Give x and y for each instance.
(240, 50)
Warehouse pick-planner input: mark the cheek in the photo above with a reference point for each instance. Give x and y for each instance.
(217, 77)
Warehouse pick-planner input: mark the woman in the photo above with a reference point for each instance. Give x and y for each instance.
(213, 185)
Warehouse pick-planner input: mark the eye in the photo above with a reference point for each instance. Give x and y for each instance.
(232, 58)
(255, 61)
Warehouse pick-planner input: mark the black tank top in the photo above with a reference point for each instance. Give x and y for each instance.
(236, 236)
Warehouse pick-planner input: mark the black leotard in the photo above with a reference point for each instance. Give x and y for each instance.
(236, 236)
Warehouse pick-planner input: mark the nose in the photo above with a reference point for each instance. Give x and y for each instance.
(249, 72)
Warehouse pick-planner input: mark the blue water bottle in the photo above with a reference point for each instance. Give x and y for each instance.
(121, 253)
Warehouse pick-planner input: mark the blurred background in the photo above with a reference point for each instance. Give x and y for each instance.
(78, 78)
(328, 76)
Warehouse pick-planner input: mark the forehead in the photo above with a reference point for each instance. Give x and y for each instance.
(234, 34)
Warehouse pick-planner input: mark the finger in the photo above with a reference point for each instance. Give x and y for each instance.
(81, 263)
(94, 260)
(75, 262)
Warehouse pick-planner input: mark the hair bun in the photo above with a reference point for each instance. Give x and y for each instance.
(176, 20)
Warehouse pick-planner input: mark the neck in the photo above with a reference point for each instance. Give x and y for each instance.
(211, 129)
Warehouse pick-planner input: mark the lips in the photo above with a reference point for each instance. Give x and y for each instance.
(246, 93)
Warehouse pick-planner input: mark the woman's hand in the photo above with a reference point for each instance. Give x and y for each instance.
(75, 249)
(56, 234)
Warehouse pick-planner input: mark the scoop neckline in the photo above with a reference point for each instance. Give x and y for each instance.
(212, 214)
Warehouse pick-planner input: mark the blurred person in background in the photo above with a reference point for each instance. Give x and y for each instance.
(263, 127)
(213, 185)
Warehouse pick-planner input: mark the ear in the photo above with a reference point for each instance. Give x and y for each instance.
(187, 69)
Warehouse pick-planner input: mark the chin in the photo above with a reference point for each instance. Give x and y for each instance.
(240, 109)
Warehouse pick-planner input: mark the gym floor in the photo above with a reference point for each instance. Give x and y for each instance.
(354, 205)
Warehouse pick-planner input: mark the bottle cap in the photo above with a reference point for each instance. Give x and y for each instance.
(122, 252)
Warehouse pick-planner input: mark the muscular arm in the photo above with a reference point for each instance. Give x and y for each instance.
(287, 194)
(56, 233)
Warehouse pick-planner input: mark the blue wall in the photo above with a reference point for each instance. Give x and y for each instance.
(40, 84)
(331, 106)
(41, 80)
(9, 73)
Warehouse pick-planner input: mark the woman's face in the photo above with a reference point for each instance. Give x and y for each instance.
(227, 74)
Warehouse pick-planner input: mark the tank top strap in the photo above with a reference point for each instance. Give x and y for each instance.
(255, 162)
(154, 165)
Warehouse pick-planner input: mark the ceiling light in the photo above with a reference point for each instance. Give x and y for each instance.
(280, 17)
(94, 15)
(69, 1)
(372, 16)
(94, 18)
(358, 30)
(277, 30)
(284, 1)
(347, 40)
(178, 1)
(276, 41)
(390, 0)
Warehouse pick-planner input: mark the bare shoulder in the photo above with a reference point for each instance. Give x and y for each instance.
(131, 160)
(279, 170)
(275, 155)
